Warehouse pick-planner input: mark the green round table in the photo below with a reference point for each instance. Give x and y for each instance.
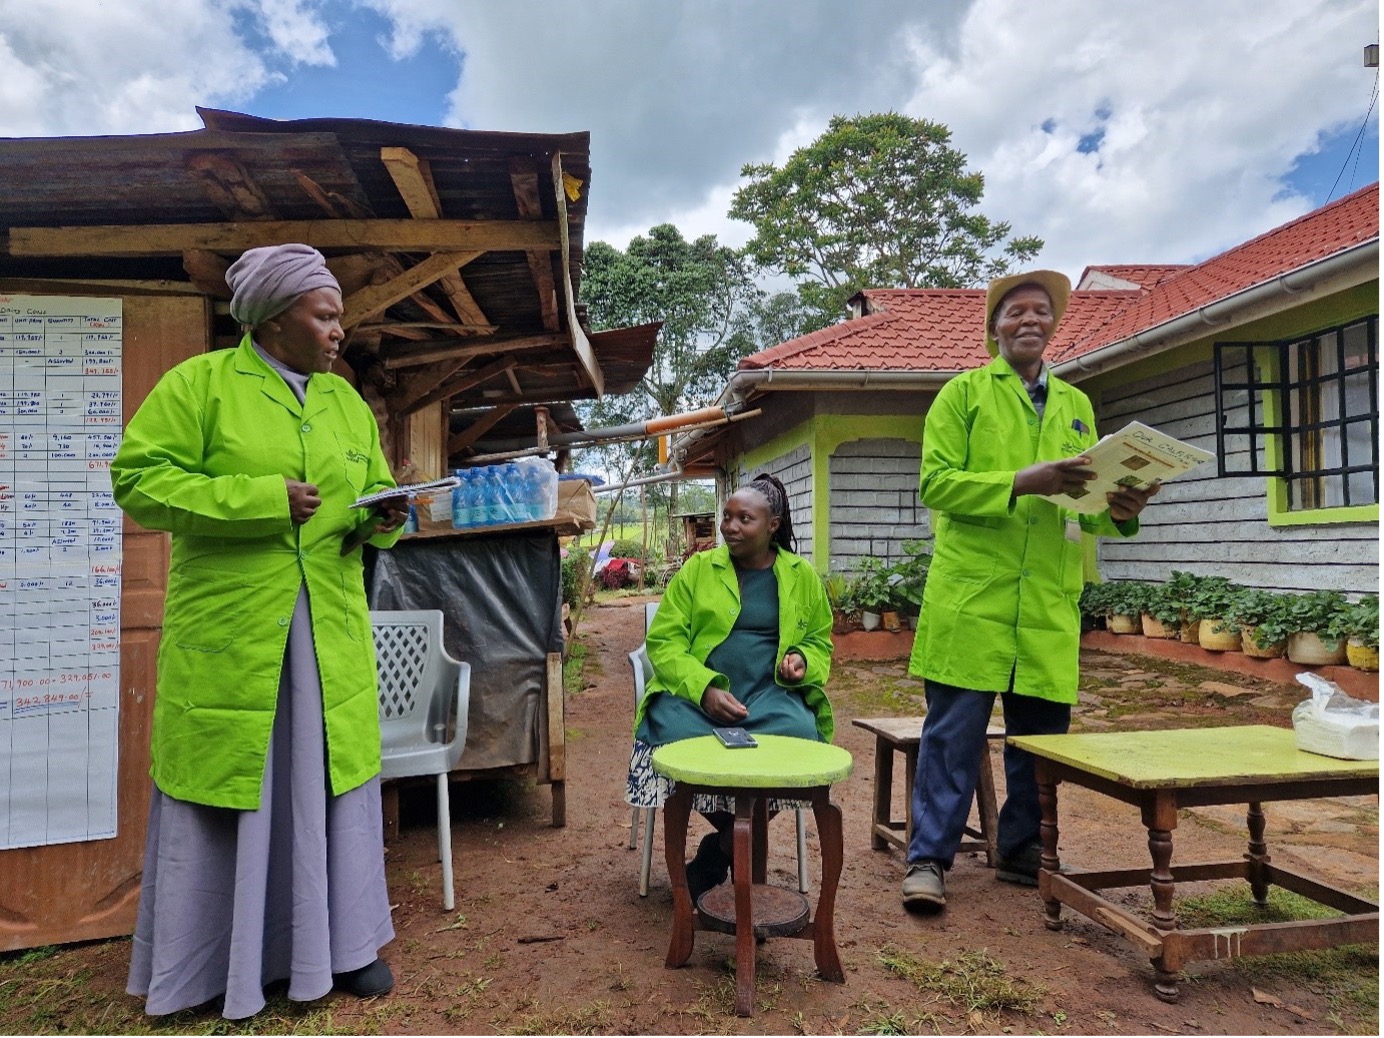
(779, 767)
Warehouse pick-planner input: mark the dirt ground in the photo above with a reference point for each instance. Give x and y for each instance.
(550, 935)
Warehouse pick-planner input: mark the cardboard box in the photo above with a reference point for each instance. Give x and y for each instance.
(576, 503)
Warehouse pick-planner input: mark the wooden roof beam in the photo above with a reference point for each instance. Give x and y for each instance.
(523, 176)
(482, 425)
(413, 178)
(435, 236)
(580, 343)
(442, 350)
(230, 186)
(377, 298)
(407, 404)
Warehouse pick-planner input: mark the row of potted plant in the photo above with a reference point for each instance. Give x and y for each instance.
(1313, 628)
(879, 594)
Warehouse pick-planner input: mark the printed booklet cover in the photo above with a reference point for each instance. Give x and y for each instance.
(1136, 456)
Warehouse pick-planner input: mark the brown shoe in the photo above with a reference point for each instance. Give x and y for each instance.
(924, 886)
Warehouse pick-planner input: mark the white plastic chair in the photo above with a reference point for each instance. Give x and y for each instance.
(424, 696)
(643, 670)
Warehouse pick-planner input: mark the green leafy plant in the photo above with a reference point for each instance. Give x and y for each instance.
(1209, 598)
(1092, 603)
(1363, 621)
(1126, 597)
(1323, 613)
(908, 577)
(574, 569)
(871, 586)
(1166, 602)
(838, 589)
(1264, 611)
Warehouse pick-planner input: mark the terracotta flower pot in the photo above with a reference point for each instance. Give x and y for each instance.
(1155, 628)
(1190, 632)
(1215, 638)
(890, 619)
(1361, 656)
(1306, 647)
(1123, 623)
(1250, 647)
(869, 620)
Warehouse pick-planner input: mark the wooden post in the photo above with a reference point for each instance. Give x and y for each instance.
(557, 740)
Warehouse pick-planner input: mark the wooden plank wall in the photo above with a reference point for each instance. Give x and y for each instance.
(1209, 525)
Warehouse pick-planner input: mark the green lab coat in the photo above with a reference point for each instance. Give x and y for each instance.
(205, 458)
(1002, 588)
(698, 611)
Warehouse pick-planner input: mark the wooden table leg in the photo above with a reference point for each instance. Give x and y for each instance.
(1047, 832)
(676, 812)
(986, 806)
(828, 817)
(884, 791)
(1160, 817)
(759, 843)
(1258, 855)
(744, 910)
(910, 774)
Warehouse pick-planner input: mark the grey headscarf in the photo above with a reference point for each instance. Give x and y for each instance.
(266, 281)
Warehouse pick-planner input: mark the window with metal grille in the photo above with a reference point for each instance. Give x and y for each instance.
(1305, 410)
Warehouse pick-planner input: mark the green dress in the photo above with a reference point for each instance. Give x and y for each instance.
(748, 658)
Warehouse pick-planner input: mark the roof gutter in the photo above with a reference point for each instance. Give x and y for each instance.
(1315, 279)
(746, 381)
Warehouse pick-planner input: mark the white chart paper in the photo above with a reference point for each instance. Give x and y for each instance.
(60, 556)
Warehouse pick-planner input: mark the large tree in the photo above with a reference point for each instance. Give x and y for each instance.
(705, 295)
(877, 201)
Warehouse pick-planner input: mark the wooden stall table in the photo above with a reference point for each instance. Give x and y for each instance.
(902, 735)
(1160, 772)
(779, 767)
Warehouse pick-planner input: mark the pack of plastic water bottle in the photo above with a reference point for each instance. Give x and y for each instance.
(513, 492)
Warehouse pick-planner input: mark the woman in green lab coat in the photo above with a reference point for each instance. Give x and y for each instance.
(264, 858)
(1000, 608)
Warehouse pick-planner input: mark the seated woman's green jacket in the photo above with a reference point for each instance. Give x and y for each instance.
(700, 608)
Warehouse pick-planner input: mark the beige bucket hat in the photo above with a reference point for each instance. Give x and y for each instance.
(1057, 285)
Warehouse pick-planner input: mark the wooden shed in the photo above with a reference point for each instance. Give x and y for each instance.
(459, 255)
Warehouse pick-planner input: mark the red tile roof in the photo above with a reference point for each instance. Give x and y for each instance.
(937, 329)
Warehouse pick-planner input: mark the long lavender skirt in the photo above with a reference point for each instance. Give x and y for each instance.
(234, 900)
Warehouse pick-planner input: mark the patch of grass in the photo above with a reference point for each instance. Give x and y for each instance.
(972, 981)
(593, 1018)
(1347, 977)
(573, 679)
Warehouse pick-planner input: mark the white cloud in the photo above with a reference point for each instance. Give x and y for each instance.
(136, 66)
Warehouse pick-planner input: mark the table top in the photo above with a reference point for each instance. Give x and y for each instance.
(902, 731)
(1185, 757)
(779, 761)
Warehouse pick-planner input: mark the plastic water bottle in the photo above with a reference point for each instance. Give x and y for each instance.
(487, 497)
(461, 501)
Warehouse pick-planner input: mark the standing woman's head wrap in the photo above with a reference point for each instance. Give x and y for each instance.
(266, 281)
(777, 497)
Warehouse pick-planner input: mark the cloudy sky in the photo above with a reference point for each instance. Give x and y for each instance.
(1120, 132)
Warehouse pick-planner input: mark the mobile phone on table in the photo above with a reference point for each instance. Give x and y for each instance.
(734, 738)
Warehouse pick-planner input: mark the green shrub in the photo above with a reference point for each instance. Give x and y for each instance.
(1264, 611)
(908, 578)
(1363, 621)
(870, 589)
(1323, 613)
(574, 569)
(1126, 597)
(1209, 597)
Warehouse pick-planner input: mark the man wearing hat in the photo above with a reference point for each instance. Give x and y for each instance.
(1000, 608)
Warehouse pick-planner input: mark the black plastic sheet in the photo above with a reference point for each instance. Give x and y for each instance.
(501, 600)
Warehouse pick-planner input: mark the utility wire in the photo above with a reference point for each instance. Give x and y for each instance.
(1356, 149)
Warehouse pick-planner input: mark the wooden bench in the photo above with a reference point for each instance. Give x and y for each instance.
(901, 735)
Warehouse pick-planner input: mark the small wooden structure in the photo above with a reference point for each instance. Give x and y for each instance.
(459, 256)
(698, 530)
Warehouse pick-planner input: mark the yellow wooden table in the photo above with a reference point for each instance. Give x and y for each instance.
(1160, 772)
(780, 767)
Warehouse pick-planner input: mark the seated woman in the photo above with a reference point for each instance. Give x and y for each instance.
(742, 637)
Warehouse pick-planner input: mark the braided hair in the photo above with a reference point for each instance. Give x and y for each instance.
(777, 497)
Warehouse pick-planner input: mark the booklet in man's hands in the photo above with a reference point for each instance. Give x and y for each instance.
(1137, 456)
(409, 490)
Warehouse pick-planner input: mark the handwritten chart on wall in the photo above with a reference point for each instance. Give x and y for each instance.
(60, 554)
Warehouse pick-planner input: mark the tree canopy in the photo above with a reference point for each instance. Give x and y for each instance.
(877, 201)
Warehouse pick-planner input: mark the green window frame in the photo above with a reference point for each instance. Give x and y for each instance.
(1304, 412)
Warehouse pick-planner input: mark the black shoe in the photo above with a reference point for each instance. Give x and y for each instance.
(366, 982)
(1022, 867)
(708, 867)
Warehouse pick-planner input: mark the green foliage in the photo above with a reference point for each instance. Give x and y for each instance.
(574, 569)
(1324, 613)
(838, 589)
(908, 577)
(630, 548)
(1166, 602)
(1362, 621)
(877, 201)
(1125, 597)
(870, 589)
(1209, 597)
(1265, 611)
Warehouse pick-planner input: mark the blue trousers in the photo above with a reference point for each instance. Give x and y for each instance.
(949, 759)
